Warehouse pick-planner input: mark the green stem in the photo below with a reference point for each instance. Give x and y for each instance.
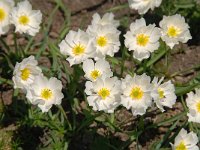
(112, 118)
(123, 61)
(154, 59)
(65, 116)
(177, 117)
(7, 48)
(28, 45)
(141, 123)
(184, 105)
(45, 40)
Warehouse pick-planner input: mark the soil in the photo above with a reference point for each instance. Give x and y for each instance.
(82, 10)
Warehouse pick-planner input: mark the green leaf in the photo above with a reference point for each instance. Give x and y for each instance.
(114, 60)
(163, 49)
(172, 119)
(185, 89)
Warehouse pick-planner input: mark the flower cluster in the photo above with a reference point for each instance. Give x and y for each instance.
(39, 90)
(22, 16)
(103, 89)
(135, 93)
(138, 92)
(143, 39)
(105, 92)
(89, 48)
(100, 39)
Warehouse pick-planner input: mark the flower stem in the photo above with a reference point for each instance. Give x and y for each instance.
(65, 116)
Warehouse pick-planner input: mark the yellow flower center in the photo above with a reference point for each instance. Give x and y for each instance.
(104, 93)
(142, 39)
(95, 74)
(2, 14)
(173, 31)
(24, 20)
(46, 93)
(181, 146)
(78, 50)
(102, 41)
(198, 106)
(161, 93)
(25, 73)
(136, 93)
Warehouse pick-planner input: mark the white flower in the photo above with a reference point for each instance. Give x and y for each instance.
(185, 141)
(25, 19)
(107, 19)
(105, 40)
(45, 93)
(78, 46)
(144, 5)
(136, 93)
(25, 73)
(142, 39)
(93, 71)
(103, 94)
(5, 10)
(193, 102)
(174, 29)
(163, 94)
